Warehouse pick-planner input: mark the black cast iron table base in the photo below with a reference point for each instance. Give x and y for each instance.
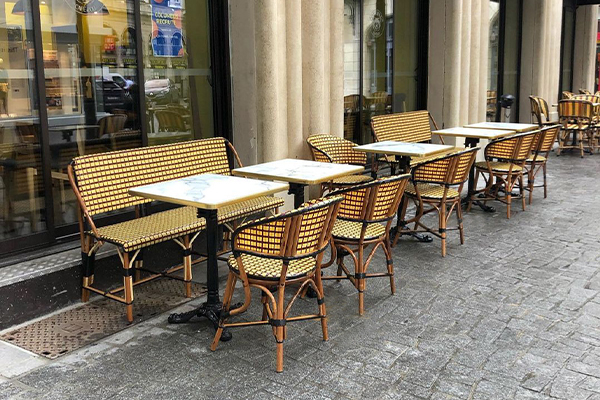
(212, 312)
(419, 236)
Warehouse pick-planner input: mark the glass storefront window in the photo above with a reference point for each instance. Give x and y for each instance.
(406, 57)
(21, 180)
(568, 37)
(176, 56)
(351, 37)
(493, 52)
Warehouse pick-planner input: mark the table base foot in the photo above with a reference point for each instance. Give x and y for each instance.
(405, 231)
(484, 207)
(211, 312)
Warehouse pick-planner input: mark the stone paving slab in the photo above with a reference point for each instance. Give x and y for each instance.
(512, 314)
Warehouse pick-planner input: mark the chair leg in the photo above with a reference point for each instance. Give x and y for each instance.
(508, 201)
(470, 202)
(128, 284)
(279, 330)
(87, 262)
(459, 216)
(580, 137)
(360, 281)
(321, 303)
(387, 249)
(229, 288)
(545, 184)
(442, 226)
(531, 182)
(522, 191)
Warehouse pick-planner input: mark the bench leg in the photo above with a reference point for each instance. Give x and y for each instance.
(87, 262)
(138, 264)
(128, 284)
(187, 265)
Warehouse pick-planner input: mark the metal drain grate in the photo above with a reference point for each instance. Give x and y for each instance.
(70, 330)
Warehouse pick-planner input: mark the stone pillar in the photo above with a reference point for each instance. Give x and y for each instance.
(296, 141)
(336, 67)
(584, 62)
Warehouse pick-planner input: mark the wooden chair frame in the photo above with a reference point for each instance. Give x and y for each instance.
(446, 172)
(576, 117)
(286, 240)
(539, 158)
(513, 150)
(362, 204)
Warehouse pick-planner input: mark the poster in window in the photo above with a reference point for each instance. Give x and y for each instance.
(167, 38)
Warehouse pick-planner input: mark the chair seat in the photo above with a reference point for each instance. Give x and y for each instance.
(343, 229)
(429, 191)
(537, 159)
(270, 269)
(155, 228)
(576, 127)
(351, 180)
(497, 166)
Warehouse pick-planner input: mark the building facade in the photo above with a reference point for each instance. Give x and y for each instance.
(85, 76)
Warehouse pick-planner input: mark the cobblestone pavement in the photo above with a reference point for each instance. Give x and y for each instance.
(514, 313)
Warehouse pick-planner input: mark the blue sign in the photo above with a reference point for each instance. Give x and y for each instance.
(167, 39)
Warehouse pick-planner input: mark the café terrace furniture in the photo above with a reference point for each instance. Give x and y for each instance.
(272, 254)
(211, 198)
(504, 126)
(102, 184)
(567, 95)
(503, 169)
(437, 184)
(332, 149)
(472, 137)
(364, 219)
(576, 118)
(298, 173)
(411, 127)
(404, 154)
(584, 91)
(540, 111)
(491, 104)
(351, 115)
(539, 158)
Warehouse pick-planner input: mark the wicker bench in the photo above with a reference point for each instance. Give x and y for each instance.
(412, 127)
(101, 183)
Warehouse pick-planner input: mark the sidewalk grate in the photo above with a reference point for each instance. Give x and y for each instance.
(70, 330)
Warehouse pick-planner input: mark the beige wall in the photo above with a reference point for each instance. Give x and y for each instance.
(287, 75)
(458, 45)
(584, 63)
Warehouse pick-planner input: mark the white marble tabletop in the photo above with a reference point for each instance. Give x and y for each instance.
(404, 148)
(511, 126)
(208, 191)
(293, 170)
(476, 133)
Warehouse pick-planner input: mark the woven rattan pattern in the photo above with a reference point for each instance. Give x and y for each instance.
(580, 110)
(498, 166)
(267, 238)
(329, 148)
(403, 127)
(141, 232)
(431, 191)
(270, 269)
(343, 229)
(537, 159)
(351, 180)
(513, 149)
(105, 179)
(387, 193)
(311, 226)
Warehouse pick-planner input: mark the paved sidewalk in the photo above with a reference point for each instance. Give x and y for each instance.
(514, 313)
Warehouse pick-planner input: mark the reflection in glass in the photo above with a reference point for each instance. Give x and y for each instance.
(566, 73)
(176, 58)
(351, 37)
(494, 47)
(406, 44)
(512, 45)
(21, 187)
(91, 86)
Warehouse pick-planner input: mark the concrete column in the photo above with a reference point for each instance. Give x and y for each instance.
(296, 141)
(584, 62)
(336, 67)
(465, 60)
(452, 63)
(475, 86)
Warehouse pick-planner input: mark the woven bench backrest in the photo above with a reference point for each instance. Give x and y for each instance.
(104, 180)
(411, 127)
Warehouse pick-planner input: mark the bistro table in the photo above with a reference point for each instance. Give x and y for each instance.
(299, 173)
(404, 151)
(472, 137)
(511, 126)
(208, 193)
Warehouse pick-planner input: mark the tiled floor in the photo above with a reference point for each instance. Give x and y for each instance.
(514, 313)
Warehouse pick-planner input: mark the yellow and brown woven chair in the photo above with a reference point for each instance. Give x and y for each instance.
(540, 112)
(584, 91)
(413, 127)
(101, 183)
(567, 95)
(536, 162)
(274, 253)
(437, 184)
(503, 169)
(365, 219)
(332, 149)
(576, 118)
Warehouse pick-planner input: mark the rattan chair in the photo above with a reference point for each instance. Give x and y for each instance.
(539, 157)
(576, 118)
(540, 112)
(275, 252)
(567, 95)
(332, 149)
(503, 169)
(437, 184)
(365, 219)
(584, 91)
